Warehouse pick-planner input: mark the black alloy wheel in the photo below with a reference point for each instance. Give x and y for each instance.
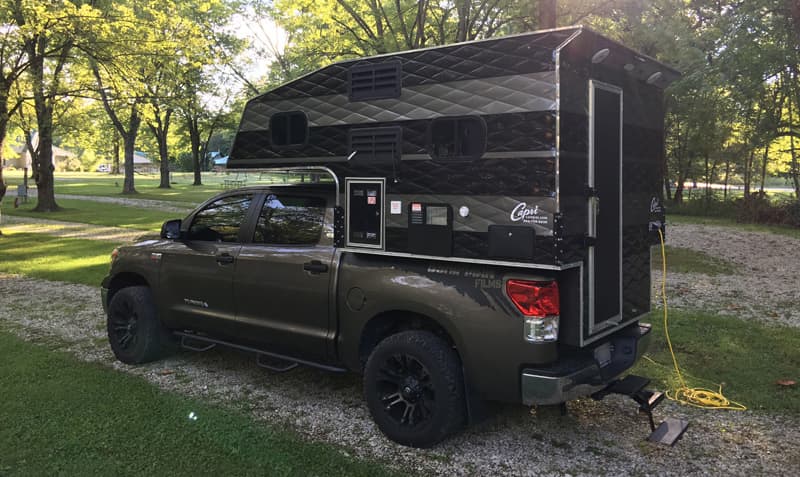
(123, 322)
(414, 388)
(406, 390)
(134, 330)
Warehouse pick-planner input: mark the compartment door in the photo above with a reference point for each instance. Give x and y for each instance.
(604, 267)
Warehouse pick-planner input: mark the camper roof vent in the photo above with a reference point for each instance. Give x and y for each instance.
(374, 81)
(376, 144)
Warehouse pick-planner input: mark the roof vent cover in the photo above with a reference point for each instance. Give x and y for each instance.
(374, 81)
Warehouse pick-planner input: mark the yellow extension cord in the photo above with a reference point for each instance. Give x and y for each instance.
(697, 397)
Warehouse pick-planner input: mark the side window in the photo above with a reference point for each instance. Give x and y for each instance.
(290, 220)
(288, 129)
(220, 220)
(459, 139)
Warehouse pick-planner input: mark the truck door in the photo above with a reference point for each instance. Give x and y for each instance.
(282, 282)
(604, 267)
(197, 271)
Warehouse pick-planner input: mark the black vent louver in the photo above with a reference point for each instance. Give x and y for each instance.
(375, 81)
(380, 145)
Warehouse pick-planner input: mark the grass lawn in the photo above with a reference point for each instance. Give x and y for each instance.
(55, 258)
(60, 416)
(98, 213)
(748, 357)
(684, 260)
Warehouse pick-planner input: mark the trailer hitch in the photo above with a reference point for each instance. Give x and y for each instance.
(670, 430)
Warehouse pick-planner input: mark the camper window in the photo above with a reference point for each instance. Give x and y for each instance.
(461, 138)
(288, 129)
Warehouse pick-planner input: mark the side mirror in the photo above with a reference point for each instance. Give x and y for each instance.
(171, 229)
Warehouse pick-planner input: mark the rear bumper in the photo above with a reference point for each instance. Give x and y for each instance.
(586, 376)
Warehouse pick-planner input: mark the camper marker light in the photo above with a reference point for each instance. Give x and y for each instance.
(654, 77)
(600, 55)
(539, 302)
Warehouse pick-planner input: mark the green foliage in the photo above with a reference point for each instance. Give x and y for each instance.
(64, 417)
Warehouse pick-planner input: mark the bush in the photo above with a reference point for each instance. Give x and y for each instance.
(759, 209)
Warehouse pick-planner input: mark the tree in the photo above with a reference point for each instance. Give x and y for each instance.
(48, 32)
(13, 63)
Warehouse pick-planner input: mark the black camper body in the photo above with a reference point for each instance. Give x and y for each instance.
(541, 150)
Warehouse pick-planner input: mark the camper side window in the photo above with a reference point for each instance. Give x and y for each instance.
(288, 129)
(462, 138)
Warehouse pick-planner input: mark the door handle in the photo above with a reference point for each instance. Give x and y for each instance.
(225, 259)
(315, 266)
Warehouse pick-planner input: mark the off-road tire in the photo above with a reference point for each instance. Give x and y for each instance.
(420, 371)
(134, 331)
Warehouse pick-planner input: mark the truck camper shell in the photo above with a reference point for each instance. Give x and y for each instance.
(541, 150)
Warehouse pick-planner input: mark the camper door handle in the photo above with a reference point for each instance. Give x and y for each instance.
(315, 266)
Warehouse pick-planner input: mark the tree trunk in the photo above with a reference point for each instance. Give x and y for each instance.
(794, 170)
(708, 179)
(3, 186)
(161, 130)
(129, 141)
(764, 170)
(547, 14)
(194, 138)
(727, 176)
(115, 145)
(42, 159)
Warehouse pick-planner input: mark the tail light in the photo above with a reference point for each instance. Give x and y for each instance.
(539, 303)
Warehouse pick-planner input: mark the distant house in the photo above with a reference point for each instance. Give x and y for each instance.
(219, 161)
(143, 164)
(61, 157)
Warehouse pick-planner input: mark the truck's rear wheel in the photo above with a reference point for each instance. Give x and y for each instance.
(134, 331)
(414, 388)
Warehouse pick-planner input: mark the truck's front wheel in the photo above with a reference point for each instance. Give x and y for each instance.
(414, 388)
(134, 330)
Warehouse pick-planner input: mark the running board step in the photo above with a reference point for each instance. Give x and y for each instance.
(275, 365)
(669, 431)
(261, 356)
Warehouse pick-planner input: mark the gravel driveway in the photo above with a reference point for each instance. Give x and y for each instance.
(594, 438)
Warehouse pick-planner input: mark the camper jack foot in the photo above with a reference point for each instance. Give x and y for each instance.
(669, 431)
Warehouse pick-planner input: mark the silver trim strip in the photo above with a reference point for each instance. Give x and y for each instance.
(475, 261)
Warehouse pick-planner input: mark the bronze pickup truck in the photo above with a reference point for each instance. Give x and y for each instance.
(475, 226)
(257, 269)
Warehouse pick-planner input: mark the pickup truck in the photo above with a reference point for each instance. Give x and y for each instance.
(257, 269)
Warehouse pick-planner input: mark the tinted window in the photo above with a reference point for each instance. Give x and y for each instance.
(220, 220)
(462, 138)
(290, 220)
(289, 128)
